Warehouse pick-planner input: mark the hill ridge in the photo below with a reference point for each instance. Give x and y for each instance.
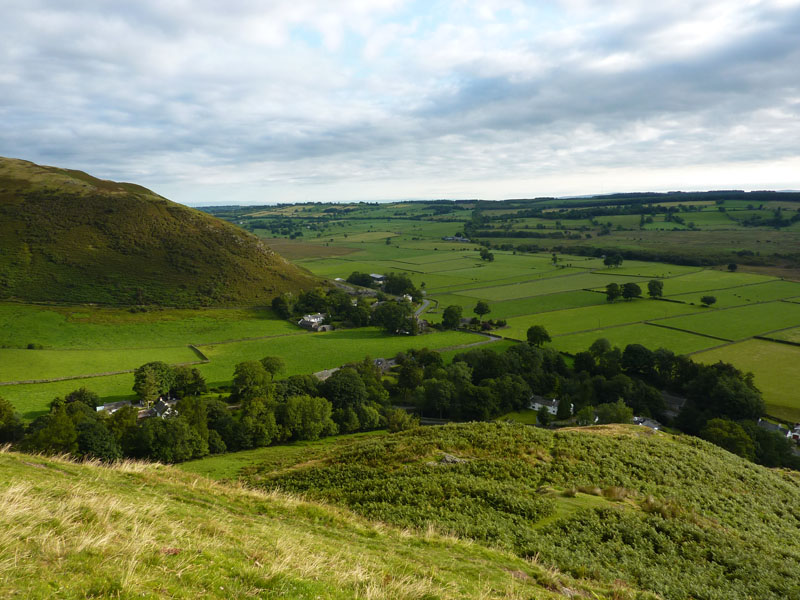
(66, 236)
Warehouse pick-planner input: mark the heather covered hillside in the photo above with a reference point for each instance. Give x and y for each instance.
(66, 236)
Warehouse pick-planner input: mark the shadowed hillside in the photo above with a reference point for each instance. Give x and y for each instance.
(66, 236)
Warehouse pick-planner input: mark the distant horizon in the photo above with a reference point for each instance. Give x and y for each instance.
(401, 200)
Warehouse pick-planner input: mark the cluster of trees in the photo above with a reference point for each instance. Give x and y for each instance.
(337, 304)
(260, 411)
(631, 290)
(157, 379)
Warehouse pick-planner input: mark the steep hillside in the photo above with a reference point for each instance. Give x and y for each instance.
(68, 237)
(672, 515)
(147, 531)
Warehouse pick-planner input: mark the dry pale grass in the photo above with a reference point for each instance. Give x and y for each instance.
(157, 530)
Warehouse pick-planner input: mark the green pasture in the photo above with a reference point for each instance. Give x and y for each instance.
(278, 457)
(32, 400)
(82, 327)
(775, 369)
(525, 416)
(499, 346)
(23, 365)
(550, 285)
(652, 270)
(318, 351)
(747, 294)
(709, 280)
(740, 322)
(523, 306)
(303, 354)
(649, 336)
(790, 335)
(561, 322)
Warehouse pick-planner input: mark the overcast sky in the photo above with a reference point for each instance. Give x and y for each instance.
(248, 101)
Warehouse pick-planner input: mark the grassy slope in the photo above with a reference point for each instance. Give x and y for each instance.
(147, 531)
(68, 237)
(676, 515)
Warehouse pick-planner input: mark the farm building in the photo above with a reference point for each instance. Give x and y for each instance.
(377, 277)
(551, 404)
(312, 322)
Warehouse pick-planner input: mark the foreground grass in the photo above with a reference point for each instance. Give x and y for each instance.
(148, 531)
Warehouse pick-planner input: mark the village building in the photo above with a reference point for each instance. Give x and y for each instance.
(551, 404)
(312, 322)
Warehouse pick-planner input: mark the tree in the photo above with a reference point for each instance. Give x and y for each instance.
(564, 409)
(543, 416)
(613, 291)
(393, 316)
(362, 279)
(344, 388)
(631, 290)
(612, 260)
(399, 284)
(153, 380)
(731, 436)
(732, 267)
(585, 416)
(88, 397)
(250, 380)
(307, 418)
(399, 420)
(655, 288)
(281, 307)
(188, 382)
(708, 300)
(486, 255)
(451, 317)
(481, 309)
(537, 335)
(11, 427)
(614, 412)
(273, 365)
(52, 433)
(96, 441)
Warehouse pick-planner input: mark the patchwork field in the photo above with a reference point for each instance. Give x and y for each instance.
(740, 322)
(561, 322)
(680, 342)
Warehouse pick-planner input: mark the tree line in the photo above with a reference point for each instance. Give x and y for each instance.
(722, 404)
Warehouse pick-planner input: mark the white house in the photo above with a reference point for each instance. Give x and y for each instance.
(551, 404)
(312, 322)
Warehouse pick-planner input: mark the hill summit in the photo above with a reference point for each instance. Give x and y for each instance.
(66, 236)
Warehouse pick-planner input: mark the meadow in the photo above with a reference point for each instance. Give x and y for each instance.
(740, 322)
(302, 353)
(602, 316)
(553, 288)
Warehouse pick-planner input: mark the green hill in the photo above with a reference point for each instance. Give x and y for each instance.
(71, 530)
(673, 515)
(66, 236)
(461, 511)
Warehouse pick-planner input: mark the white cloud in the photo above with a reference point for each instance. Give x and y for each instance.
(382, 98)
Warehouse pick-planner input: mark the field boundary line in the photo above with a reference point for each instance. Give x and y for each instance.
(713, 337)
